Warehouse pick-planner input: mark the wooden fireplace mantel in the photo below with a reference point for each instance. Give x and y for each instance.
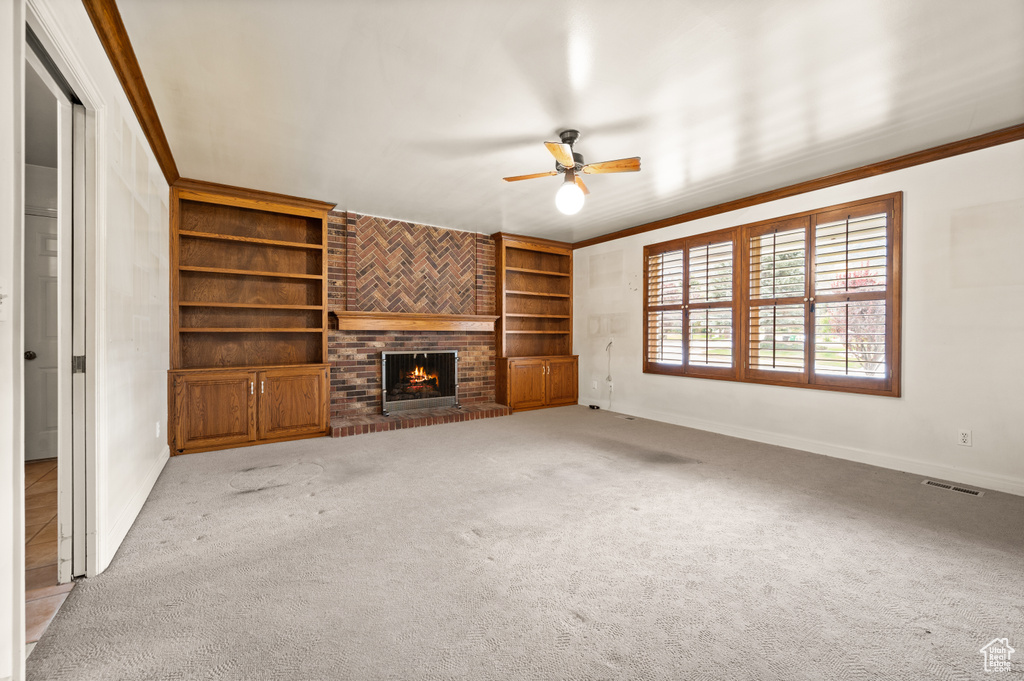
(406, 321)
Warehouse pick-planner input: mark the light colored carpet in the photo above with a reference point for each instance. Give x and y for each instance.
(557, 544)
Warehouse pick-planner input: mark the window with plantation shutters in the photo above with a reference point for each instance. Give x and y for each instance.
(709, 308)
(776, 317)
(851, 271)
(665, 308)
(691, 305)
(815, 303)
(850, 264)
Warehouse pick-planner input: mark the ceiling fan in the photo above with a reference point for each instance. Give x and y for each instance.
(569, 198)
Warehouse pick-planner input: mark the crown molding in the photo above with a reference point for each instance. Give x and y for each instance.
(989, 139)
(106, 19)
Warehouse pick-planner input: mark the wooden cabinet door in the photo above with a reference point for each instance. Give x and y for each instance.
(293, 401)
(526, 378)
(216, 408)
(563, 385)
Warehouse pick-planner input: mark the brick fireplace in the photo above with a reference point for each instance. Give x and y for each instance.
(384, 270)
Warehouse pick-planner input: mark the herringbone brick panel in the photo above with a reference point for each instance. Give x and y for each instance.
(404, 267)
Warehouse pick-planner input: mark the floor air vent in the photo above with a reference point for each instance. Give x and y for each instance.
(953, 488)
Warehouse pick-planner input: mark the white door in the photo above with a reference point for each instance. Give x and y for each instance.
(41, 314)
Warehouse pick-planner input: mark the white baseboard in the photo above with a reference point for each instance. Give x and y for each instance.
(1006, 484)
(125, 520)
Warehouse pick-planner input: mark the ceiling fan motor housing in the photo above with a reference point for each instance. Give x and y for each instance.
(569, 137)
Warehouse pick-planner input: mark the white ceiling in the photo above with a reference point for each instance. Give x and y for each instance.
(417, 109)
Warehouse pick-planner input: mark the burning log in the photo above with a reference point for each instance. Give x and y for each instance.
(415, 384)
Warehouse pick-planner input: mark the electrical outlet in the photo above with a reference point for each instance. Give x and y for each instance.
(963, 438)
(158, 429)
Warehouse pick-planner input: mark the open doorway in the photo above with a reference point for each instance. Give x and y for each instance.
(53, 339)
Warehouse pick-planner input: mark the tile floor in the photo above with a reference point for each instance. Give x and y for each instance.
(43, 596)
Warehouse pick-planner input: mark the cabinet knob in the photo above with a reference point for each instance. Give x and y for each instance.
(30, 355)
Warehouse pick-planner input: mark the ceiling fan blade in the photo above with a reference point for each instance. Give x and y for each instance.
(562, 153)
(579, 183)
(622, 165)
(516, 178)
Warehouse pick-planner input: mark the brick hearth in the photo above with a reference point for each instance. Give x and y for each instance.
(377, 423)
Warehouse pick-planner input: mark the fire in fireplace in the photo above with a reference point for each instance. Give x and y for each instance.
(418, 380)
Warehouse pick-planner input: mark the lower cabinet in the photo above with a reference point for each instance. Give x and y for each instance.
(218, 408)
(291, 402)
(537, 382)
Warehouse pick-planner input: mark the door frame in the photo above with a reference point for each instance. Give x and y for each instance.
(71, 191)
(87, 268)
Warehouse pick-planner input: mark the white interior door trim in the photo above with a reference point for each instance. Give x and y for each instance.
(87, 267)
(79, 344)
(71, 510)
(65, 406)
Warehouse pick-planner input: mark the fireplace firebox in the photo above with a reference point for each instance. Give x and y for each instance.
(419, 380)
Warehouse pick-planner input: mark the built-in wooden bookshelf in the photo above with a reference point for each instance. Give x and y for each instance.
(534, 297)
(534, 332)
(248, 297)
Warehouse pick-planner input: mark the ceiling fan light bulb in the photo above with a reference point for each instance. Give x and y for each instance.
(569, 199)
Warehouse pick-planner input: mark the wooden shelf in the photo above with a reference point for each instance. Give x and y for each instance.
(530, 315)
(249, 240)
(248, 273)
(249, 329)
(537, 293)
(402, 321)
(226, 370)
(546, 273)
(525, 331)
(249, 306)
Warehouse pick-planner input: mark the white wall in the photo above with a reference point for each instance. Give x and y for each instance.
(963, 333)
(128, 343)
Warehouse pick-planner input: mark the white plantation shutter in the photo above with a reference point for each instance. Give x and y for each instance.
(850, 289)
(776, 338)
(850, 256)
(777, 261)
(710, 337)
(665, 336)
(709, 276)
(710, 305)
(665, 308)
(849, 338)
(665, 278)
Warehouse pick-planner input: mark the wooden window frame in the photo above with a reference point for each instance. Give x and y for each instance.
(889, 386)
(684, 245)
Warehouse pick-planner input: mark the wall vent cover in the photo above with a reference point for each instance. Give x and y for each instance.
(953, 488)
